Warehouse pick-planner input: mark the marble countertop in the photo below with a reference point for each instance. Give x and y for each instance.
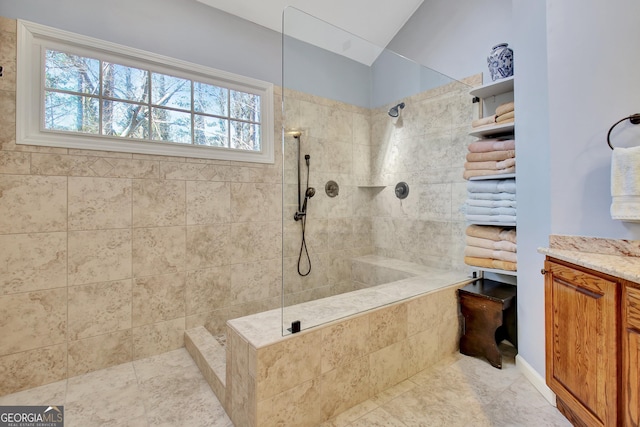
(619, 258)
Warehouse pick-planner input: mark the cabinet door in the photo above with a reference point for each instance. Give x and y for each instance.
(631, 356)
(581, 342)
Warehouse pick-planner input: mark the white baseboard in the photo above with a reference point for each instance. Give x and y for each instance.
(534, 378)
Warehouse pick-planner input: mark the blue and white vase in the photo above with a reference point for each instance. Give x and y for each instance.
(500, 62)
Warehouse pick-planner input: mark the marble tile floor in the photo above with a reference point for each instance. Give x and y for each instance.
(168, 390)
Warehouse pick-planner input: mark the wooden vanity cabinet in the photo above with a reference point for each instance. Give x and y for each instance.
(582, 344)
(631, 354)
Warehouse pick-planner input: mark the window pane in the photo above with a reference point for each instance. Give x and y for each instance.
(71, 72)
(72, 113)
(171, 91)
(118, 81)
(245, 136)
(245, 106)
(173, 126)
(125, 120)
(211, 131)
(210, 99)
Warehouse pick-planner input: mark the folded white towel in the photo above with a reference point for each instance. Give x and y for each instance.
(493, 219)
(492, 186)
(491, 203)
(492, 196)
(482, 210)
(625, 184)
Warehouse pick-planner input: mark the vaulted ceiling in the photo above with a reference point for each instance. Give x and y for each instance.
(374, 21)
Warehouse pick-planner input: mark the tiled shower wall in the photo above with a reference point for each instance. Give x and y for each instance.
(336, 137)
(426, 148)
(107, 257)
(367, 152)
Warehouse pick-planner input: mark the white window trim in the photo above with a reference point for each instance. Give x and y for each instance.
(33, 37)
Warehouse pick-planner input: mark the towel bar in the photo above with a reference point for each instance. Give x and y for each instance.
(634, 119)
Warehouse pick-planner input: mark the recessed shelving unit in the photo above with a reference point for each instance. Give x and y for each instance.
(500, 88)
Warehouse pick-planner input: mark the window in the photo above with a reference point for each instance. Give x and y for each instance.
(78, 92)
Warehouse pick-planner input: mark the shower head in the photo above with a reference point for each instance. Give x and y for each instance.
(310, 192)
(307, 195)
(395, 111)
(306, 159)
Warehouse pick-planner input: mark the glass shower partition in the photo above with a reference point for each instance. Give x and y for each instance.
(358, 120)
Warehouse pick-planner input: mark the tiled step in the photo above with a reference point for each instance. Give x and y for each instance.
(210, 356)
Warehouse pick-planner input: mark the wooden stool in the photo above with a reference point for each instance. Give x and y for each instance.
(489, 310)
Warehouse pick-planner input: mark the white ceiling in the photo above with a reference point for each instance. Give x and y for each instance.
(373, 22)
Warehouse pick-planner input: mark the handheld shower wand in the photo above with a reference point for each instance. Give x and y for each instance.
(309, 193)
(301, 215)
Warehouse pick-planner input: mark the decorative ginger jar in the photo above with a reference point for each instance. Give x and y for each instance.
(500, 62)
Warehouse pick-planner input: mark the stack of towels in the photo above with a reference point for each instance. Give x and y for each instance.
(505, 113)
(490, 157)
(491, 247)
(491, 201)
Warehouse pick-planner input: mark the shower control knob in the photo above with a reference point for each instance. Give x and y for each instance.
(402, 190)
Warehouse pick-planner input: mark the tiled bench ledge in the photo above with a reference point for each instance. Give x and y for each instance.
(307, 378)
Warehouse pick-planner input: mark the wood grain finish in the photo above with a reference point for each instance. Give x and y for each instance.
(582, 341)
(631, 355)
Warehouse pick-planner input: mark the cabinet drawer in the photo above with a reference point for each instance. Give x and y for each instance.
(632, 303)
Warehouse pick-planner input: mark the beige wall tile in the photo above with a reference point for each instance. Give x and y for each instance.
(208, 202)
(99, 256)
(158, 338)
(182, 170)
(423, 351)
(388, 366)
(158, 203)
(239, 400)
(33, 368)
(255, 281)
(255, 241)
(7, 103)
(99, 308)
(14, 162)
(251, 202)
(99, 203)
(387, 326)
(33, 319)
(287, 364)
(345, 342)
(295, 407)
(158, 250)
(207, 289)
(133, 168)
(104, 351)
(207, 246)
(8, 55)
(158, 298)
(344, 387)
(63, 164)
(32, 203)
(30, 262)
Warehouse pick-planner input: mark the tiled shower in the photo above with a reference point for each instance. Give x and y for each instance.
(108, 257)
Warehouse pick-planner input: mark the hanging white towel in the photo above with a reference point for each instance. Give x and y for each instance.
(625, 184)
